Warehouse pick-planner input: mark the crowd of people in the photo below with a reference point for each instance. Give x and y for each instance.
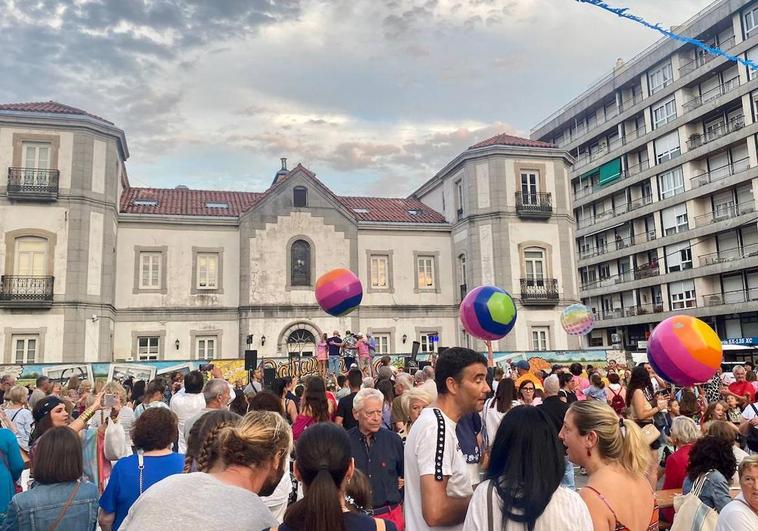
(458, 445)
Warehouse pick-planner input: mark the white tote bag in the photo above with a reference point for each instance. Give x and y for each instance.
(691, 513)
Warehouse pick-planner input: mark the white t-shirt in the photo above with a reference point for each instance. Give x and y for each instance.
(564, 512)
(282, 492)
(737, 516)
(185, 405)
(421, 460)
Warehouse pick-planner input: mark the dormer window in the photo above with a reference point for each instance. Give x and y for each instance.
(216, 204)
(415, 211)
(360, 210)
(145, 202)
(300, 196)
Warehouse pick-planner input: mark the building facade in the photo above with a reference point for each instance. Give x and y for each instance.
(663, 188)
(94, 269)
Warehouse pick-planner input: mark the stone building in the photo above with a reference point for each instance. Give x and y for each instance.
(94, 269)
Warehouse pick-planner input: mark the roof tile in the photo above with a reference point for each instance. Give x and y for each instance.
(49, 107)
(504, 139)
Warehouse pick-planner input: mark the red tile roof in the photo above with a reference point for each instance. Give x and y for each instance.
(504, 139)
(186, 202)
(48, 107)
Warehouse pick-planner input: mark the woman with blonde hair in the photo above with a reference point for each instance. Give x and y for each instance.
(120, 413)
(252, 455)
(20, 420)
(412, 402)
(615, 455)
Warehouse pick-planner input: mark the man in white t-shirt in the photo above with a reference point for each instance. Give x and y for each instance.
(187, 402)
(749, 422)
(437, 482)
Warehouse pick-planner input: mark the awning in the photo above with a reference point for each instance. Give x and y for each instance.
(590, 173)
(610, 171)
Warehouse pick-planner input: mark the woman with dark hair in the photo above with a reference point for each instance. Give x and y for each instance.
(325, 466)
(526, 497)
(153, 435)
(59, 499)
(239, 404)
(138, 392)
(280, 389)
(152, 397)
(526, 394)
(640, 400)
(314, 406)
(568, 387)
(495, 408)
(688, 405)
(714, 411)
(50, 412)
(199, 457)
(580, 382)
(386, 387)
(596, 390)
(712, 464)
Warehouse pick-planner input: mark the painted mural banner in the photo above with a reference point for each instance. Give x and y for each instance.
(234, 371)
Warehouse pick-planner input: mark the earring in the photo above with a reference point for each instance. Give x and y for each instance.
(589, 454)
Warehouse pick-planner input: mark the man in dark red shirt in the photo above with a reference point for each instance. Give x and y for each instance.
(740, 388)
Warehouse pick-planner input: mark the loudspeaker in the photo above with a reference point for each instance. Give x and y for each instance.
(251, 360)
(422, 364)
(269, 375)
(414, 349)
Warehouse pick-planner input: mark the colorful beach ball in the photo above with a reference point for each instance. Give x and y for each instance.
(577, 320)
(488, 312)
(684, 350)
(339, 292)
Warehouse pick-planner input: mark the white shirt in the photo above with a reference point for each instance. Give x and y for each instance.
(737, 516)
(420, 456)
(185, 405)
(564, 512)
(282, 492)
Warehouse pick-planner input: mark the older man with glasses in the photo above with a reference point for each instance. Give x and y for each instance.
(740, 388)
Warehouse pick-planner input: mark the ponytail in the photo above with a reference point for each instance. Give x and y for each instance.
(635, 453)
(320, 508)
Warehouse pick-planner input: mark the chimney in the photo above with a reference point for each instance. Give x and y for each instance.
(284, 163)
(282, 173)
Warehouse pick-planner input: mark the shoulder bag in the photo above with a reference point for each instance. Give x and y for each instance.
(691, 513)
(57, 522)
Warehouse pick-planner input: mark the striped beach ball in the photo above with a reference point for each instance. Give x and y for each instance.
(488, 312)
(577, 320)
(684, 350)
(339, 292)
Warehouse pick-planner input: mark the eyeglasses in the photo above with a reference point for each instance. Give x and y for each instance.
(528, 389)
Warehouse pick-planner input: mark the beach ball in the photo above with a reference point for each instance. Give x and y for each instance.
(577, 320)
(488, 312)
(339, 292)
(683, 350)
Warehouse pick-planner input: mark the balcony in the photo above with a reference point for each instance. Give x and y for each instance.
(721, 130)
(723, 212)
(728, 255)
(33, 184)
(617, 245)
(631, 311)
(26, 291)
(541, 291)
(730, 297)
(717, 92)
(703, 59)
(720, 173)
(651, 269)
(534, 205)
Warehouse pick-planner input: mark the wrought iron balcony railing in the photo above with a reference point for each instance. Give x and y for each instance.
(539, 291)
(534, 204)
(33, 184)
(26, 291)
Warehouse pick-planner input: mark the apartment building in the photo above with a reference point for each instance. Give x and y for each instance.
(664, 184)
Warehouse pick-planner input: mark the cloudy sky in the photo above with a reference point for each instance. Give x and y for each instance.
(375, 96)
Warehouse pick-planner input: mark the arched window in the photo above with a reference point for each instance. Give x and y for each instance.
(301, 342)
(300, 196)
(300, 264)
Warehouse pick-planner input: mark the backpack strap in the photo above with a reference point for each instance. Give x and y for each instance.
(490, 512)
(439, 452)
(380, 524)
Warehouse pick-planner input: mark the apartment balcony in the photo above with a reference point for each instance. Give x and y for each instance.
(539, 292)
(26, 291)
(720, 173)
(716, 92)
(728, 255)
(730, 297)
(651, 269)
(703, 59)
(631, 311)
(33, 184)
(534, 205)
(700, 139)
(617, 245)
(620, 209)
(724, 212)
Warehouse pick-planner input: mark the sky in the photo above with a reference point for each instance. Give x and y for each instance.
(374, 96)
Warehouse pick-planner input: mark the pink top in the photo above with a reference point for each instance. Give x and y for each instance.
(321, 347)
(362, 348)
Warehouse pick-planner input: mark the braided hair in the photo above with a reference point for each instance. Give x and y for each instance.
(199, 433)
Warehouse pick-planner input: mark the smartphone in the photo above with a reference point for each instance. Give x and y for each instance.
(207, 367)
(109, 401)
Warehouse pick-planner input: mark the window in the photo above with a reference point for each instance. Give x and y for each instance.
(674, 219)
(425, 272)
(671, 183)
(462, 275)
(382, 344)
(205, 347)
(659, 77)
(216, 204)
(25, 348)
(30, 257)
(379, 265)
(667, 147)
(300, 196)
(678, 257)
(150, 270)
(751, 20)
(682, 294)
(529, 188)
(459, 197)
(428, 341)
(300, 263)
(534, 260)
(752, 55)
(148, 348)
(36, 155)
(145, 202)
(540, 338)
(664, 112)
(207, 270)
